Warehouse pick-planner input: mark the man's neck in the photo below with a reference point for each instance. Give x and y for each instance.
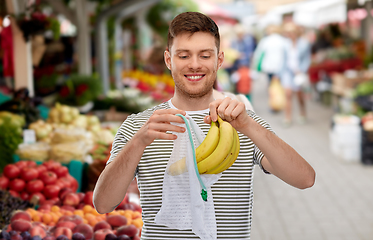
(192, 104)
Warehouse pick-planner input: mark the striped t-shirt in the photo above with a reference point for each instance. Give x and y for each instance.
(232, 194)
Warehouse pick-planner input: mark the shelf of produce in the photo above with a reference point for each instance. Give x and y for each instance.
(76, 169)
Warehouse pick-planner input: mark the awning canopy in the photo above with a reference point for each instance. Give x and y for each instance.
(320, 12)
(312, 13)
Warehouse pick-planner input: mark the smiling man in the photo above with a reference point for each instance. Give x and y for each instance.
(144, 143)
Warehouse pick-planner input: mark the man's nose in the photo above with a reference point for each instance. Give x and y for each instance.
(194, 63)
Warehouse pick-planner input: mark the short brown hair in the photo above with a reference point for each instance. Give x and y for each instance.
(192, 22)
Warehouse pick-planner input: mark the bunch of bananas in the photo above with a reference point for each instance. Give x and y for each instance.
(216, 153)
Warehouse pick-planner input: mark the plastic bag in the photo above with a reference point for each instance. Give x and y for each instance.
(277, 97)
(182, 203)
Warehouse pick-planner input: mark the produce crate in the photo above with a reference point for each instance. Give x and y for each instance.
(76, 169)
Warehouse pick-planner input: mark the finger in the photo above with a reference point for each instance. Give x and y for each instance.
(222, 108)
(166, 118)
(228, 113)
(171, 111)
(239, 109)
(213, 109)
(165, 127)
(207, 119)
(162, 135)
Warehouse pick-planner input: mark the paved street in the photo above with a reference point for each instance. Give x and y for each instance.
(340, 204)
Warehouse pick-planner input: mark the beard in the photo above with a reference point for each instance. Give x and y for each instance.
(199, 92)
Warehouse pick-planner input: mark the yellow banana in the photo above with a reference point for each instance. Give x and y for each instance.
(178, 167)
(222, 149)
(209, 144)
(230, 159)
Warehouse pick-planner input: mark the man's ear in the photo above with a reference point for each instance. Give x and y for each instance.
(220, 59)
(167, 59)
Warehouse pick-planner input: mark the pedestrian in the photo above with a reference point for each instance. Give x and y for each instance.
(270, 53)
(144, 142)
(295, 73)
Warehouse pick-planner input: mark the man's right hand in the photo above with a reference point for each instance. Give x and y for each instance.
(158, 125)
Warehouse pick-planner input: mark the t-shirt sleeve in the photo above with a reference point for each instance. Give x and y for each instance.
(258, 155)
(123, 135)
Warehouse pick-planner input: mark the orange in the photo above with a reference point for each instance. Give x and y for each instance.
(137, 222)
(79, 212)
(92, 221)
(55, 217)
(68, 213)
(113, 213)
(46, 218)
(36, 217)
(136, 214)
(87, 209)
(55, 208)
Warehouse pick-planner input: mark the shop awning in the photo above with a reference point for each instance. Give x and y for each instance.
(320, 12)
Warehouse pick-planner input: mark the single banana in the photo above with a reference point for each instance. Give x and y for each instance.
(230, 159)
(209, 144)
(222, 149)
(178, 167)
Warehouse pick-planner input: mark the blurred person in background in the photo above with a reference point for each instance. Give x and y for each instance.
(270, 53)
(295, 72)
(245, 44)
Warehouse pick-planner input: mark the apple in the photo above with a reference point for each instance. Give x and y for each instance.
(84, 229)
(63, 231)
(21, 215)
(100, 234)
(88, 198)
(102, 225)
(21, 225)
(71, 199)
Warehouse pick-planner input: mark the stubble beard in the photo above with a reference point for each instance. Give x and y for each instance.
(182, 89)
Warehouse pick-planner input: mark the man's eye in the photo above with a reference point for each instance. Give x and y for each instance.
(206, 57)
(182, 57)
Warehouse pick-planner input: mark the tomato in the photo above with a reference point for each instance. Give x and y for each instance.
(34, 186)
(11, 171)
(61, 171)
(67, 181)
(39, 196)
(48, 177)
(25, 195)
(13, 193)
(41, 169)
(31, 163)
(29, 173)
(21, 164)
(73, 183)
(50, 164)
(17, 184)
(4, 182)
(51, 191)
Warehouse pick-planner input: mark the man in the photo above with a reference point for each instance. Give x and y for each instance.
(144, 142)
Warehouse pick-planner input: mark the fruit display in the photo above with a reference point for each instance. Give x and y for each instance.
(56, 223)
(216, 153)
(10, 137)
(8, 204)
(26, 179)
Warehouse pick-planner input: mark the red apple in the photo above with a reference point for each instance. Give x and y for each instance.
(71, 199)
(4, 182)
(88, 198)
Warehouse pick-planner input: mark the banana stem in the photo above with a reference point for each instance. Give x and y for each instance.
(203, 191)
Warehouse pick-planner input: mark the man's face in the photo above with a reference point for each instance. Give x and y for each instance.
(194, 61)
